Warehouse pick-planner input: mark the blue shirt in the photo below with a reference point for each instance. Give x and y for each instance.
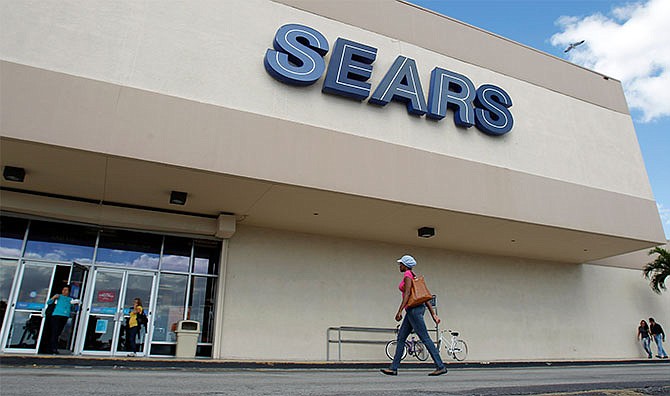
(63, 306)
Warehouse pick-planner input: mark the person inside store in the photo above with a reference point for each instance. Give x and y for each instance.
(60, 313)
(413, 320)
(133, 327)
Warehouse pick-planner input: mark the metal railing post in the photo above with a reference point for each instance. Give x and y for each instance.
(339, 344)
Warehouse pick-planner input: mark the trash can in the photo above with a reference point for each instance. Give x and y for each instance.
(187, 338)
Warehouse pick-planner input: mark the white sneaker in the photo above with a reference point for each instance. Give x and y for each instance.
(131, 354)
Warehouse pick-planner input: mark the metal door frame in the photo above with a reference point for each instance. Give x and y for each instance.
(146, 307)
(119, 317)
(16, 286)
(82, 293)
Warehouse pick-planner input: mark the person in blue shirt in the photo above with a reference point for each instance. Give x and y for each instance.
(60, 315)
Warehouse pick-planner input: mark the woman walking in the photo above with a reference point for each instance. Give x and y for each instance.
(643, 335)
(413, 321)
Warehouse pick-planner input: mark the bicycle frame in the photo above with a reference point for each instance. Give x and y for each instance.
(448, 343)
(411, 346)
(456, 348)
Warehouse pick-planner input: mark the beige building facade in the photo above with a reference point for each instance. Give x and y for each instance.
(310, 197)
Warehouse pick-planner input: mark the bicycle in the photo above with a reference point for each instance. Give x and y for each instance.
(413, 347)
(456, 348)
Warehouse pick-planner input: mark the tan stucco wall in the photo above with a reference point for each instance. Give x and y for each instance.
(210, 54)
(285, 289)
(185, 85)
(106, 120)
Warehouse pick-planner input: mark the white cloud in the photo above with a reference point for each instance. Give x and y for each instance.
(664, 212)
(9, 252)
(145, 261)
(665, 218)
(631, 44)
(172, 262)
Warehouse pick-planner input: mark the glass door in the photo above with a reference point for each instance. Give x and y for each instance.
(111, 301)
(103, 311)
(7, 271)
(77, 290)
(25, 315)
(137, 285)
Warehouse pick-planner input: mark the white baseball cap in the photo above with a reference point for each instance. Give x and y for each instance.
(407, 260)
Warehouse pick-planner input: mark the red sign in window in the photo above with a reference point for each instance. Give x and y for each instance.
(106, 296)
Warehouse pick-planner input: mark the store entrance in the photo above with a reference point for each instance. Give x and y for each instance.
(175, 277)
(29, 330)
(109, 305)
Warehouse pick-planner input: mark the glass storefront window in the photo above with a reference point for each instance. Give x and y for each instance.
(104, 306)
(7, 271)
(34, 288)
(24, 330)
(129, 249)
(12, 232)
(201, 306)
(206, 257)
(60, 242)
(185, 271)
(176, 254)
(32, 296)
(169, 306)
(107, 291)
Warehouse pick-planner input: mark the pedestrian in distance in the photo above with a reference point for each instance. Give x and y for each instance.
(658, 335)
(413, 321)
(60, 315)
(643, 335)
(133, 327)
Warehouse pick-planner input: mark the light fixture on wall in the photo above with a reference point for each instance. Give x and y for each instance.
(14, 174)
(178, 197)
(426, 232)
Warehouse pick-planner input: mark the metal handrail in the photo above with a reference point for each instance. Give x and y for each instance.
(355, 329)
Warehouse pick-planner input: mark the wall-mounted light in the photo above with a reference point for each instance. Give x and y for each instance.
(426, 232)
(178, 197)
(14, 174)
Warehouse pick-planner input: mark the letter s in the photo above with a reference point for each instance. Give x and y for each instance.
(297, 58)
(491, 113)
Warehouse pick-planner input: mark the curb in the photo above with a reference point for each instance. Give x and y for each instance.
(202, 364)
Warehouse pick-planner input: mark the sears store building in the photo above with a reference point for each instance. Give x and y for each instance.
(258, 166)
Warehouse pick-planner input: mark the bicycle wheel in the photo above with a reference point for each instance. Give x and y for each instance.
(460, 350)
(391, 347)
(420, 351)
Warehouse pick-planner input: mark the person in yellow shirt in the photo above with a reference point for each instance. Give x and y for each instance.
(134, 327)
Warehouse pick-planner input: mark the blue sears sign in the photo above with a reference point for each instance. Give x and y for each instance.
(298, 59)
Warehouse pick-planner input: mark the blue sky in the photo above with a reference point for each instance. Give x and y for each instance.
(627, 40)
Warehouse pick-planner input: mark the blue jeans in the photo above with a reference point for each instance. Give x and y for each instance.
(414, 321)
(646, 343)
(659, 345)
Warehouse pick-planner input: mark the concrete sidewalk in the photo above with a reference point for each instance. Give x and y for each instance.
(643, 379)
(12, 360)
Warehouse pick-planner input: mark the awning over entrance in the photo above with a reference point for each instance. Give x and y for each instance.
(108, 145)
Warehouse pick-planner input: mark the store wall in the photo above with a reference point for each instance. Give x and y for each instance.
(185, 85)
(285, 289)
(214, 54)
